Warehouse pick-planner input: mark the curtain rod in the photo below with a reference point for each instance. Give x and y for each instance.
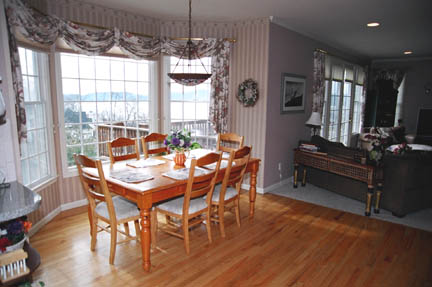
(232, 40)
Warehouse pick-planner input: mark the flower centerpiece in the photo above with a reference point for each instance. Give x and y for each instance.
(378, 145)
(180, 141)
(12, 234)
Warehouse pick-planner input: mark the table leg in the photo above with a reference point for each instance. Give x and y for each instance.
(378, 197)
(369, 200)
(145, 237)
(252, 190)
(304, 176)
(295, 174)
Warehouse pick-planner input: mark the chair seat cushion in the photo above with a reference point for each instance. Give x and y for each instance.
(123, 208)
(230, 193)
(176, 205)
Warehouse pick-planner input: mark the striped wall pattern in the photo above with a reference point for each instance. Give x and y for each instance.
(249, 60)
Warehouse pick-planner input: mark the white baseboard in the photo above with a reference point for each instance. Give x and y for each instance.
(274, 186)
(41, 223)
(74, 204)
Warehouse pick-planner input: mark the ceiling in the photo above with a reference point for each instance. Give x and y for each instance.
(405, 24)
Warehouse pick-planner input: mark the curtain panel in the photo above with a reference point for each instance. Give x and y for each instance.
(318, 82)
(45, 30)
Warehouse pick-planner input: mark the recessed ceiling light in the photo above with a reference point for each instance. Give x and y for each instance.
(373, 24)
(408, 52)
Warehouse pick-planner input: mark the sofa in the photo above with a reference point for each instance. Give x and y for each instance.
(407, 182)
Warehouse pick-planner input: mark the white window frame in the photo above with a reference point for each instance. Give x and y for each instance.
(45, 94)
(71, 171)
(166, 105)
(326, 112)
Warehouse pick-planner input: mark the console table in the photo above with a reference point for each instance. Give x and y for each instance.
(16, 201)
(344, 167)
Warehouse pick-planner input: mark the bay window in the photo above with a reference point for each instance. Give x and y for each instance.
(37, 157)
(188, 107)
(102, 98)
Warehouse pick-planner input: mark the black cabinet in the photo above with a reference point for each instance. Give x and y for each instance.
(381, 104)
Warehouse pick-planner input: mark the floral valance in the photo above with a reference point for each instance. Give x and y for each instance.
(46, 29)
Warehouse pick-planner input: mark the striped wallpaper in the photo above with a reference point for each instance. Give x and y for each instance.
(249, 60)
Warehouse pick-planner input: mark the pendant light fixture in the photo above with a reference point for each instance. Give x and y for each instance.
(189, 78)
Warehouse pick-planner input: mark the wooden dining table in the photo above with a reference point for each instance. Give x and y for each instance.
(149, 192)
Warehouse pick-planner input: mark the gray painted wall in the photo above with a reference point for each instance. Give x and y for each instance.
(289, 52)
(418, 73)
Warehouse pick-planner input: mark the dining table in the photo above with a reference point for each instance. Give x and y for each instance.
(151, 186)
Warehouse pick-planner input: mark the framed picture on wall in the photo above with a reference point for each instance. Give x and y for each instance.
(293, 88)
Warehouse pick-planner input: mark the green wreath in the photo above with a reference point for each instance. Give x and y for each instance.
(248, 93)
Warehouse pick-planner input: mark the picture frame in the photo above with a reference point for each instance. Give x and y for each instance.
(293, 93)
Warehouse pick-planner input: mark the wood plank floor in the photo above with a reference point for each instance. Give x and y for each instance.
(289, 243)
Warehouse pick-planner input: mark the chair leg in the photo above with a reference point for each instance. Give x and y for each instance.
(93, 233)
(113, 243)
(154, 226)
(186, 234)
(126, 228)
(237, 210)
(221, 212)
(208, 225)
(137, 229)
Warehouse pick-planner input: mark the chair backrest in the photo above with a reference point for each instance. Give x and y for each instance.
(123, 149)
(153, 138)
(229, 142)
(234, 173)
(203, 184)
(96, 188)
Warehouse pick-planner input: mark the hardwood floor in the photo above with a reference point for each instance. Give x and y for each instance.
(289, 243)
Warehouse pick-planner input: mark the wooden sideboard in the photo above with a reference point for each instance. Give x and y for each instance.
(361, 172)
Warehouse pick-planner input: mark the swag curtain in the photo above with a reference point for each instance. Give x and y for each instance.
(46, 29)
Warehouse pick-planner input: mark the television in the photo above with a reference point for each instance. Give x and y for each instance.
(424, 122)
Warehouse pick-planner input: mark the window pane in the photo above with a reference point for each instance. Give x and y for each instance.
(176, 92)
(118, 111)
(176, 111)
(69, 154)
(86, 67)
(26, 89)
(25, 171)
(103, 90)
(131, 91)
(143, 111)
(73, 134)
(69, 66)
(89, 133)
(189, 111)
(117, 70)
(71, 113)
(88, 90)
(131, 111)
(34, 169)
(143, 74)
(103, 112)
(30, 116)
(117, 90)
(44, 164)
(189, 93)
(143, 91)
(88, 112)
(71, 90)
(33, 86)
(102, 68)
(131, 72)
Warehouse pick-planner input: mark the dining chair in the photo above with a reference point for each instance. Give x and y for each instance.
(119, 148)
(229, 190)
(111, 210)
(228, 142)
(153, 139)
(190, 208)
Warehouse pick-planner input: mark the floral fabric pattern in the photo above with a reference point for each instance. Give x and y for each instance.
(46, 29)
(318, 82)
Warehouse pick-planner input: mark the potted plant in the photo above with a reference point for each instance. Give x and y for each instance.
(13, 234)
(181, 142)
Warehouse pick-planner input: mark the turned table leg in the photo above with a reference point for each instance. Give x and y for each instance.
(304, 176)
(252, 190)
(145, 238)
(369, 200)
(378, 197)
(295, 174)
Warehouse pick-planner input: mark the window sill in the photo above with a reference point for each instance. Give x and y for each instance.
(45, 184)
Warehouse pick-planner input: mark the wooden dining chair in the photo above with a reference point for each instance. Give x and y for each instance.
(152, 139)
(228, 142)
(111, 210)
(191, 207)
(229, 190)
(119, 149)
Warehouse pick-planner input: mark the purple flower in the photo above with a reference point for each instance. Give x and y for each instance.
(166, 142)
(175, 141)
(187, 144)
(15, 227)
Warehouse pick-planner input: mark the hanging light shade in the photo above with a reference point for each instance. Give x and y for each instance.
(189, 79)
